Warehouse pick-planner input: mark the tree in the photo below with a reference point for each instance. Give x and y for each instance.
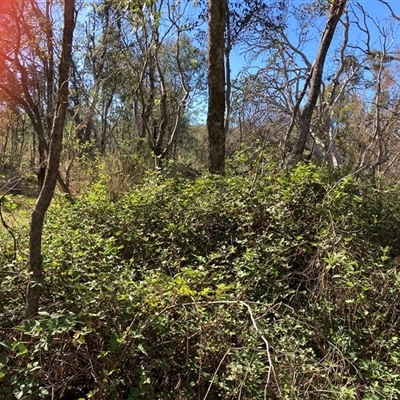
(216, 86)
(27, 69)
(52, 166)
(87, 89)
(268, 105)
(314, 80)
(135, 76)
(170, 72)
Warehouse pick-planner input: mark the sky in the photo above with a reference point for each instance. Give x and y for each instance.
(374, 8)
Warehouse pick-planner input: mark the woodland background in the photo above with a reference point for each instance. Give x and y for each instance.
(176, 228)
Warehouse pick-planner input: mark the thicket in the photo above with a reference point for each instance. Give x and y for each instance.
(263, 284)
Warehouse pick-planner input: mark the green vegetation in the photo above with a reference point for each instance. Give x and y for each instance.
(267, 285)
(272, 276)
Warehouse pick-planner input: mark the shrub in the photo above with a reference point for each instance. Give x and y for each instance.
(273, 285)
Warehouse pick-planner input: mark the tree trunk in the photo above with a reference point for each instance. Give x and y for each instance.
(336, 11)
(216, 87)
(228, 90)
(52, 168)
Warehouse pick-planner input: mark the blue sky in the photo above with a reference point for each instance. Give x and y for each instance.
(375, 9)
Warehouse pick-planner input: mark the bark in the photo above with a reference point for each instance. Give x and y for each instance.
(228, 91)
(41, 120)
(148, 103)
(216, 87)
(104, 124)
(170, 148)
(98, 80)
(315, 80)
(49, 67)
(52, 168)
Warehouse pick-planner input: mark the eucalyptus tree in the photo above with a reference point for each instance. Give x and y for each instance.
(289, 86)
(165, 70)
(216, 86)
(14, 139)
(344, 113)
(27, 52)
(246, 21)
(52, 165)
(234, 22)
(314, 81)
(264, 101)
(137, 75)
(355, 119)
(376, 129)
(95, 66)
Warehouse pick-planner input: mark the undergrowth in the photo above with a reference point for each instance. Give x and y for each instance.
(267, 285)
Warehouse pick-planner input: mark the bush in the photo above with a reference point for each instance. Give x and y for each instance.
(274, 285)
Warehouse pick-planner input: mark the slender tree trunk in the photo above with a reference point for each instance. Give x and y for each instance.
(104, 124)
(49, 68)
(216, 87)
(336, 10)
(52, 168)
(228, 90)
(98, 78)
(41, 169)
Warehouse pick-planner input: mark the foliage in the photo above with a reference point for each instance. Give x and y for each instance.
(254, 285)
